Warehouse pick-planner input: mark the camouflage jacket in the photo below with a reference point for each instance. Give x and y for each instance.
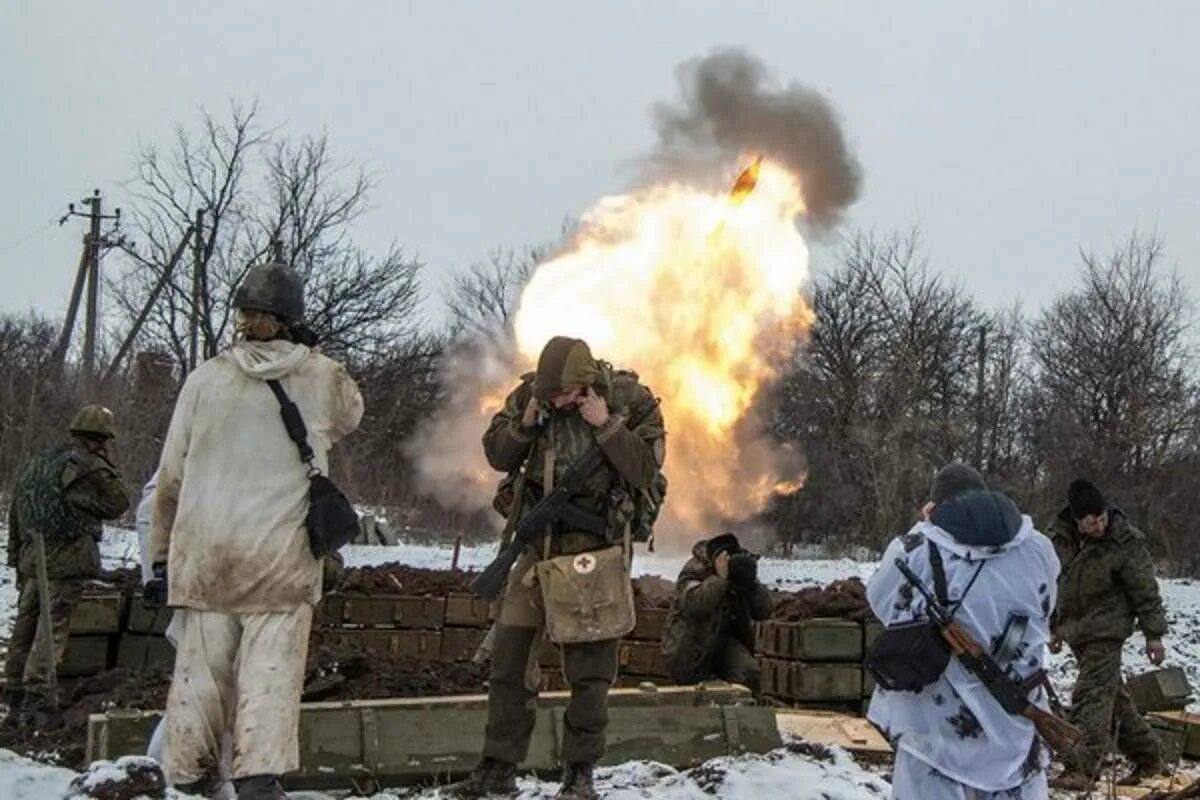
(706, 610)
(1105, 584)
(65, 493)
(632, 458)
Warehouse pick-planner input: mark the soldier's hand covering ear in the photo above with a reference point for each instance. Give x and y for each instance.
(743, 570)
(594, 409)
(529, 418)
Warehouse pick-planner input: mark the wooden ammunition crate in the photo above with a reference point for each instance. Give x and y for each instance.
(394, 612)
(651, 622)
(549, 655)
(98, 611)
(1185, 726)
(330, 612)
(417, 739)
(1171, 736)
(468, 611)
(1160, 690)
(144, 653)
(642, 658)
(413, 643)
(85, 655)
(460, 644)
(153, 621)
(812, 640)
(812, 683)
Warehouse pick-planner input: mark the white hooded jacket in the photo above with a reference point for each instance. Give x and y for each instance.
(954, 724)
(232, 493)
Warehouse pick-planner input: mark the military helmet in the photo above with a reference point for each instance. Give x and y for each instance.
(564, 364)
(272, 287)
(94, 420)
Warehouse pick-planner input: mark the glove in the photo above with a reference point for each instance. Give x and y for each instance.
(154, 593)
(743, 570)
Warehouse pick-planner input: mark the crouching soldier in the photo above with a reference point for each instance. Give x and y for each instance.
(709, 631)
(61, 499)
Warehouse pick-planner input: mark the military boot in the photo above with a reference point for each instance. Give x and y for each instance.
(1143, 772)
(39, 711)
(259, 787)
(207, 787)
(577, 783)
(1072, 780)
(14, 700)
(491, 777)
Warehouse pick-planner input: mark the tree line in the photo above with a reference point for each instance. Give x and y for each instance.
(903, 371)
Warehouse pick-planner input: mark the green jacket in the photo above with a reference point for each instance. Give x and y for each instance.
(65, 494)
(705, 611)
(632, 458)
(1105, 584)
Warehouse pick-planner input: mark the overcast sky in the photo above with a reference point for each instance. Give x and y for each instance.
(1011, 133)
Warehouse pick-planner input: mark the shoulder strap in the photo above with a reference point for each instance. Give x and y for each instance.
(294, 423)
(939, 580)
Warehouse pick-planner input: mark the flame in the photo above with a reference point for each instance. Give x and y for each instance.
(701, 293)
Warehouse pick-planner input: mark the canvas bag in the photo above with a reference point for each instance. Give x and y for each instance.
(588, 597)
(331, 520)
(909, 656)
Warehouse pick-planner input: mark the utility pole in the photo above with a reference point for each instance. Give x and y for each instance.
(979, 411)
(198, 291)
(94, 241)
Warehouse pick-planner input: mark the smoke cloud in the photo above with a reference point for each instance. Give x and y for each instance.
(730, 107)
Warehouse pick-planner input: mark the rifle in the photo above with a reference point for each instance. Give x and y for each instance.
(550, 509)
(1059, 734)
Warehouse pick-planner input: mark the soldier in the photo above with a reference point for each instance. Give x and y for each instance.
(709, 631)
(62, 496)
(1107, 584)
(229, 544)
(553, 417)
(983, 558)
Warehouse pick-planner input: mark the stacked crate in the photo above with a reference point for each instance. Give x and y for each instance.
(382, 625)
(96, 625)
(813, 661)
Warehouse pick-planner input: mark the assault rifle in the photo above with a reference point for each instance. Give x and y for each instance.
(1013, 697)
(552, 508)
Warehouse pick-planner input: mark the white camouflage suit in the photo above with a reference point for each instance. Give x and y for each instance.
(953, 740)
(229, 521)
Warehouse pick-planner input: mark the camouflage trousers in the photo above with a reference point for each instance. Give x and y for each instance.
(731, 661)
(1100, 705)
(26, 665)
(590, 669)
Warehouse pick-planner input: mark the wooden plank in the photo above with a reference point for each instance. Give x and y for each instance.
(461, 644)
(98, 611)
(383, 642)
(1187, 724)
(468, 611)
(651, 622)
(852, 733)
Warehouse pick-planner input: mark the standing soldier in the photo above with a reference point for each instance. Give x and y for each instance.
(61, 498)
(710, 627)
(556, 415)
(1107, 583)
(229, 545)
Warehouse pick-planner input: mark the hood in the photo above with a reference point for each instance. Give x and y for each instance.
(979, 519)
(268, 361)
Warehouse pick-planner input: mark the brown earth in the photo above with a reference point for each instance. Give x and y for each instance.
(401, 579)
(846, 599)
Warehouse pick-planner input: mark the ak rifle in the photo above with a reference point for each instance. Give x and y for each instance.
(552, 508)
(1013, 697)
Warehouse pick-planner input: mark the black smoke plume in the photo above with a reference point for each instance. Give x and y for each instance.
(730, 106)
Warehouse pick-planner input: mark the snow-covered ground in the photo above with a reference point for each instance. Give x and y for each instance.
(793, 771)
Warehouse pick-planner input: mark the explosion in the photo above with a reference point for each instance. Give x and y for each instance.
(700, 293)
(697, 286)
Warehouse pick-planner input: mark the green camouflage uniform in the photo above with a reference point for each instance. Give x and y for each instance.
(632, 461)
(709, 631)
(64, 494)
(1104, 586)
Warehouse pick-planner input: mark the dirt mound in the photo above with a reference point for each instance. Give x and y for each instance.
(402, 579)
(66, 744)
(651, 591)
(846, 599)
(345, 675)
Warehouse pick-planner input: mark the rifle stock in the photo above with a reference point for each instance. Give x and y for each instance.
(1060, 735)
